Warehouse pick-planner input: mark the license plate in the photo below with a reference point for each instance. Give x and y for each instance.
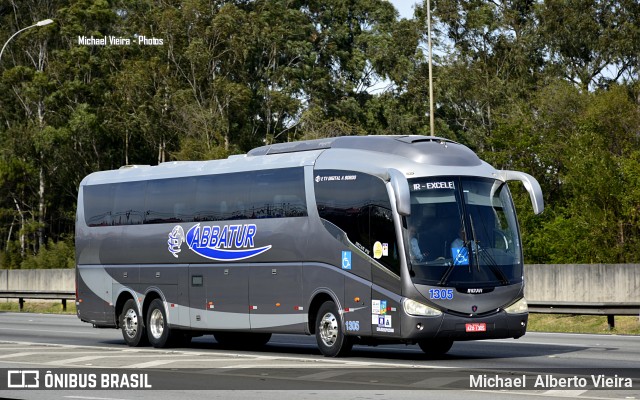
(476, 327)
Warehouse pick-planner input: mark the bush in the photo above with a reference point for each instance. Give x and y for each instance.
(54, 255)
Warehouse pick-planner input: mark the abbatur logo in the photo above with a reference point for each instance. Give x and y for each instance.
(221, 243)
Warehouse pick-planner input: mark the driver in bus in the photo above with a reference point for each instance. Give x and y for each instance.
(414, 246)
(458, 244)
(458, 241)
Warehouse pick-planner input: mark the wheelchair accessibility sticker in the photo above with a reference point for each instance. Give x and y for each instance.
(460, 256)
(346, 260)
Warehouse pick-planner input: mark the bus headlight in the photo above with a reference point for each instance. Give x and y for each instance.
(412, 307)
(519, 307)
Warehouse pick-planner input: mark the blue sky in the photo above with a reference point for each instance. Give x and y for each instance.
(404, 7)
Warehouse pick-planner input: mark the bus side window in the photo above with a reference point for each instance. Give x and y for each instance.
(360, 207)
(169, 200)
(383, 232)
(285, 205)
(223, 211)
(128, 206)
(98, 204)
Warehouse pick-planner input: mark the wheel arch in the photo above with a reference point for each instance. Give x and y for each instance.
(151, 294)
(123, 297)
(318, 298)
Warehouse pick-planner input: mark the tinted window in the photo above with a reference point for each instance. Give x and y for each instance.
(98, 204)
(222, 197)
(169, 200)
(128, 203)
(278, 193)
(359, 205)
(244, 195)
(383, 233)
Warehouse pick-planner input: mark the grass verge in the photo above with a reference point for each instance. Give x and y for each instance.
(563, 323)
(42, 307)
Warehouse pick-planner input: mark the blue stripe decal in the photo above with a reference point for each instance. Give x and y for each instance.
(229, 255)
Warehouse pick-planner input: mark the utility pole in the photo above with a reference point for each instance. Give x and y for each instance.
(431, 120)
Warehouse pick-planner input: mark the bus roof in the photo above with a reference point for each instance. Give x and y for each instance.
(422, 155)
(421, 149)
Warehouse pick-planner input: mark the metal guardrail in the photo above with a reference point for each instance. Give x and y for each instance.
(38, 294)
(610, 309)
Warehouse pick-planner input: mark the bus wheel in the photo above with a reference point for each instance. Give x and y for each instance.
(435, 347)
(133, 330)
(329, 334)
(157, 328)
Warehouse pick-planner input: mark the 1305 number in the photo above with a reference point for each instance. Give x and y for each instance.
(440, 294)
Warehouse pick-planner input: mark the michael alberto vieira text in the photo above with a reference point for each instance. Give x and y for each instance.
(549, 382)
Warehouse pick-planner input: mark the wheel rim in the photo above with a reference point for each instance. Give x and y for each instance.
(156, 323)
(328, 329)
(131, 323)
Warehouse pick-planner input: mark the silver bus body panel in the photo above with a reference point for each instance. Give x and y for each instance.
(274, 291)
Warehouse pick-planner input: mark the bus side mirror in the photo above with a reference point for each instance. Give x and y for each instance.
(400, 187)
(530, 183)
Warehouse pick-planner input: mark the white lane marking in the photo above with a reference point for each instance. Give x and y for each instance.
(563, 393)
(23, 354)
(91, 398)
(318, 376)
(512, 393)
(507, 341)
(50, 331)
(74, 360)
(218, 353)
(436, 383)
(157, 363)
(272, 366)
(44, 351)
(149, 364)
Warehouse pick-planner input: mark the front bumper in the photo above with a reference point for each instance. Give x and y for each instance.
(497, 326)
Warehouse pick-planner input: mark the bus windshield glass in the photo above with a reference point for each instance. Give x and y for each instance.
(462, 232)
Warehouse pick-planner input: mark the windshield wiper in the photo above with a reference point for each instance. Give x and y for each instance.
(450, 268)
(476, 246)
(487, 258)
(493, 266)
(448, 272)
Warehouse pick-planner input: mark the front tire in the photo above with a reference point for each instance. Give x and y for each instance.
(330, 336)
(133, 330)
(435, 348)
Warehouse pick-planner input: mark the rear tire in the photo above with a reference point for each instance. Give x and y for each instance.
(434, 348)
(159, 333)
(330, 336)
(133, 329)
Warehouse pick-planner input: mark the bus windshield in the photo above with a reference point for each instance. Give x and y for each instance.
(462, 232)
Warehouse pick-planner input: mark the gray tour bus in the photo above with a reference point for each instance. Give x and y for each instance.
(366, 240)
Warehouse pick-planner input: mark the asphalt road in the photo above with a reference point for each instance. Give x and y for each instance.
(291, 365)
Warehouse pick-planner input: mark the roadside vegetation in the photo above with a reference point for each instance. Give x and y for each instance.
(39, 307)
(624, 325)
(551, 88)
